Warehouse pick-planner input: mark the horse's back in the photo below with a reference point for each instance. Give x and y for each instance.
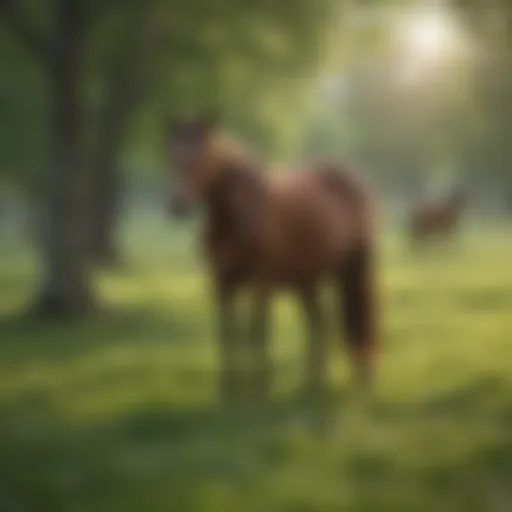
(317, 216)
(332, 195)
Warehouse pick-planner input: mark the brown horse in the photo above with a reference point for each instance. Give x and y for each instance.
(429, 219)
(266, 231)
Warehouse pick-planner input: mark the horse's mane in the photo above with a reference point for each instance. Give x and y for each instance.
(231, 153)
(238, 185)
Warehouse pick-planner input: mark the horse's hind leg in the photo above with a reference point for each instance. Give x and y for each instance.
(316, 358)
(358, 286)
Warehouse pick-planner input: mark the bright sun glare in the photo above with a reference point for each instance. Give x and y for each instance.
(430, 35)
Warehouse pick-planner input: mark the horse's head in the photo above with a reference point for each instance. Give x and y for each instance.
(188, 146)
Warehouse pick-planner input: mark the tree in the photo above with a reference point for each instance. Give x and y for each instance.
(405, 118)
(489, 157)
(101, 65)
(66, 285)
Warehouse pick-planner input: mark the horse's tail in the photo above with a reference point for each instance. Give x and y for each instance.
(358, 286)
(357, 277)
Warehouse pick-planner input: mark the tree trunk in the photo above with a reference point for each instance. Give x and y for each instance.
(106, 178)
(66, 285)
(104, 215)
(123, 84)
(130, 78)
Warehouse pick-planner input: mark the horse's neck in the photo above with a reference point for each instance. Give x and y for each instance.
(232, 177)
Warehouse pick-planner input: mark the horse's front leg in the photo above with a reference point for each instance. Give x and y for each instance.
(229, 376)
(316, 367)
(258, 342)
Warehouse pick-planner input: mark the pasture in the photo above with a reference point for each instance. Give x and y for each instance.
(119, 413)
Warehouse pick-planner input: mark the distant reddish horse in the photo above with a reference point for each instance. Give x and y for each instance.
(429, 219)
(267, 231)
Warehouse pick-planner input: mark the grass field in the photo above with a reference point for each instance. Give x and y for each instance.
(120, 414)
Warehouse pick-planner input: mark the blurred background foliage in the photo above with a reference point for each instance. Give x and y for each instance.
(85, 90)
(416, 94)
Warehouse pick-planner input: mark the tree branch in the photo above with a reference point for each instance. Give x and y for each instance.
(14, 18)
(130, 78)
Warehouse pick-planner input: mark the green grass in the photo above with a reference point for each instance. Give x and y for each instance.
(120, 413)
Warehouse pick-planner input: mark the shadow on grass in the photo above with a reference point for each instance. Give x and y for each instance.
(159, 455)
(155, 456)
(23, 337)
